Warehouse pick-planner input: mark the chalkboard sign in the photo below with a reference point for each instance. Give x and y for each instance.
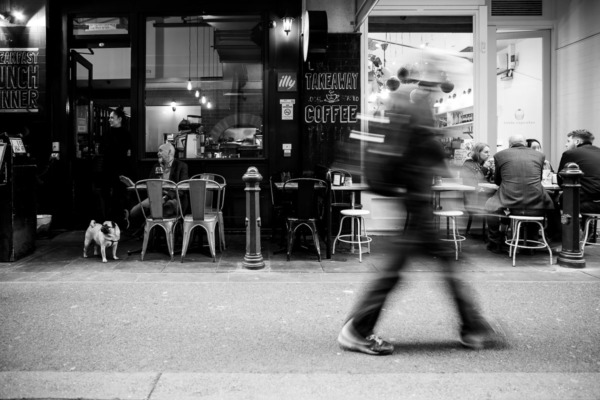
(331, 87)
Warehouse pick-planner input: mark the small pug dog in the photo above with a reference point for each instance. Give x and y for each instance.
(103, 235)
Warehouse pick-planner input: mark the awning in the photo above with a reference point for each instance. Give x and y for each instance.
(363, 8)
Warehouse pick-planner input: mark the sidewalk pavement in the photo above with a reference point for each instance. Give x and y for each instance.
(60, 256)
(74, 332)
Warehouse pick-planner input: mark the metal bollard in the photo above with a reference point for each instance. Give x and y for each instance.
(253, 258)
(571, 255)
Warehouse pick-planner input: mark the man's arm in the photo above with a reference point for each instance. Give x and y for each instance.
(497, 174)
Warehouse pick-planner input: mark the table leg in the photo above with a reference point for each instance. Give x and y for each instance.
(352, 202)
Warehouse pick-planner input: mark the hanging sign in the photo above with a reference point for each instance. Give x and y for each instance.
(19, 79)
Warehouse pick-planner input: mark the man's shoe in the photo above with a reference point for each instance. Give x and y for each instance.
(495, 248)
(350, 340)
(478, 338)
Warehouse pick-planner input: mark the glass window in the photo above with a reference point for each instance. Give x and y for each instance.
(204, 85)
(407, 50)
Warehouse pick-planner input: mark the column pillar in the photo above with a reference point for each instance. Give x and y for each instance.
(571, 255)
(253, 258)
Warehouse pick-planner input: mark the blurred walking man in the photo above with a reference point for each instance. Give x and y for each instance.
(424, 161)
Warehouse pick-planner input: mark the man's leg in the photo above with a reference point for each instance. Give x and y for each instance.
(496, 237)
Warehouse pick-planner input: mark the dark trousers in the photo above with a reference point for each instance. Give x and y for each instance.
(421, 237)
(497, 224)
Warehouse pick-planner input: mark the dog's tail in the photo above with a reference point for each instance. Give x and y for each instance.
(92, 223)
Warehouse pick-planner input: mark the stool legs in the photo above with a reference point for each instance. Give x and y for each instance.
(590, 221)
(361, 232)
(514, 242)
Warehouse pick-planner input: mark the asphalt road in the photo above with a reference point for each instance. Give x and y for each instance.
(273, 336)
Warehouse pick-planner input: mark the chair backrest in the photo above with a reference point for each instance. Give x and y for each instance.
(198, 191)
(212, 201)
(310, 196)
(155, 190)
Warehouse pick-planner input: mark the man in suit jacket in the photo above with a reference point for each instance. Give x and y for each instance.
(169, 168)
(519, 177)
(581, 151)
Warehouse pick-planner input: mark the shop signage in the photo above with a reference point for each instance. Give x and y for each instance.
(287, 82)
(287, 109)
(19, 79)
(330, 102)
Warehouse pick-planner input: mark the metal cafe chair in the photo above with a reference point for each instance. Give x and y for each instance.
(307, 208)
(200, 214)
(154, 214)
(215, 205)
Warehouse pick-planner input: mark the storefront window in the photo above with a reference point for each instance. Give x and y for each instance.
(407, 50)
(204, 85)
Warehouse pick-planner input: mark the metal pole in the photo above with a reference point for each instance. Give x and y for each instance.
(571, 255)
(253, 258)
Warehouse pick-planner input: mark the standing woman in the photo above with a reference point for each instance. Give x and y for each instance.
(473, 172)
(116, 149)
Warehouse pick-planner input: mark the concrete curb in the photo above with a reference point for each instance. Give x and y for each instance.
(188, 386)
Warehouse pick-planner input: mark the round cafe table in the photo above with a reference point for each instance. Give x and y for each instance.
(447, 187)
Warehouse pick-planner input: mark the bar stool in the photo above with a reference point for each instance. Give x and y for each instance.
(518, 221)
(456, 237)
(591, 219)
(356, 216)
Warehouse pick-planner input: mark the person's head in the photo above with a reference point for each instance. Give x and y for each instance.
(515, 140)
(116, 117)
(480, 152)
(577, 137)
(166, 153)
(534, 144)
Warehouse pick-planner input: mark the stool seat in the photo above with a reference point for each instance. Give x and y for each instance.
(354, 212)
(516, 243)
(456, 237)
(448, 213)
(526, 218)
(361, 237)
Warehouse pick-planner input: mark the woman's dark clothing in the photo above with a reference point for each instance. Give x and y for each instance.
(114, 149)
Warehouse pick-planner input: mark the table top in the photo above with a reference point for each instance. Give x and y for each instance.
(185, 186)
(447, 186)
(355, 187)
(547, 186)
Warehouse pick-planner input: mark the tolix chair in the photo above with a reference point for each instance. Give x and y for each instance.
(309, 197)
(200, 214)
(215, 203)
(154, 212)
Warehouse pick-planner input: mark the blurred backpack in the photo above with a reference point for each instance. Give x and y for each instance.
(385, 168)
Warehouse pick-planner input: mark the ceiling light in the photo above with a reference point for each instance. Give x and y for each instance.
(287, 24)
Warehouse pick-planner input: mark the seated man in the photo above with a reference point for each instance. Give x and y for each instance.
(169, 168)
(581, 151)
(519, 177)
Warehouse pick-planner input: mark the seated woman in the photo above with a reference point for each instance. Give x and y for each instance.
(473, 172)
(536, 145)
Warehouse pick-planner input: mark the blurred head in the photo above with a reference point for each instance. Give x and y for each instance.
(166, 153)
(116, 117)
(534, 144)
(516, 140)
(481, 152)
(580, 136)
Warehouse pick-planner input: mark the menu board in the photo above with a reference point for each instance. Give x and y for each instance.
(331, 85)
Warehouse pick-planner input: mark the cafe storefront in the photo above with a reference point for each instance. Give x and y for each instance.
(219, 81)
